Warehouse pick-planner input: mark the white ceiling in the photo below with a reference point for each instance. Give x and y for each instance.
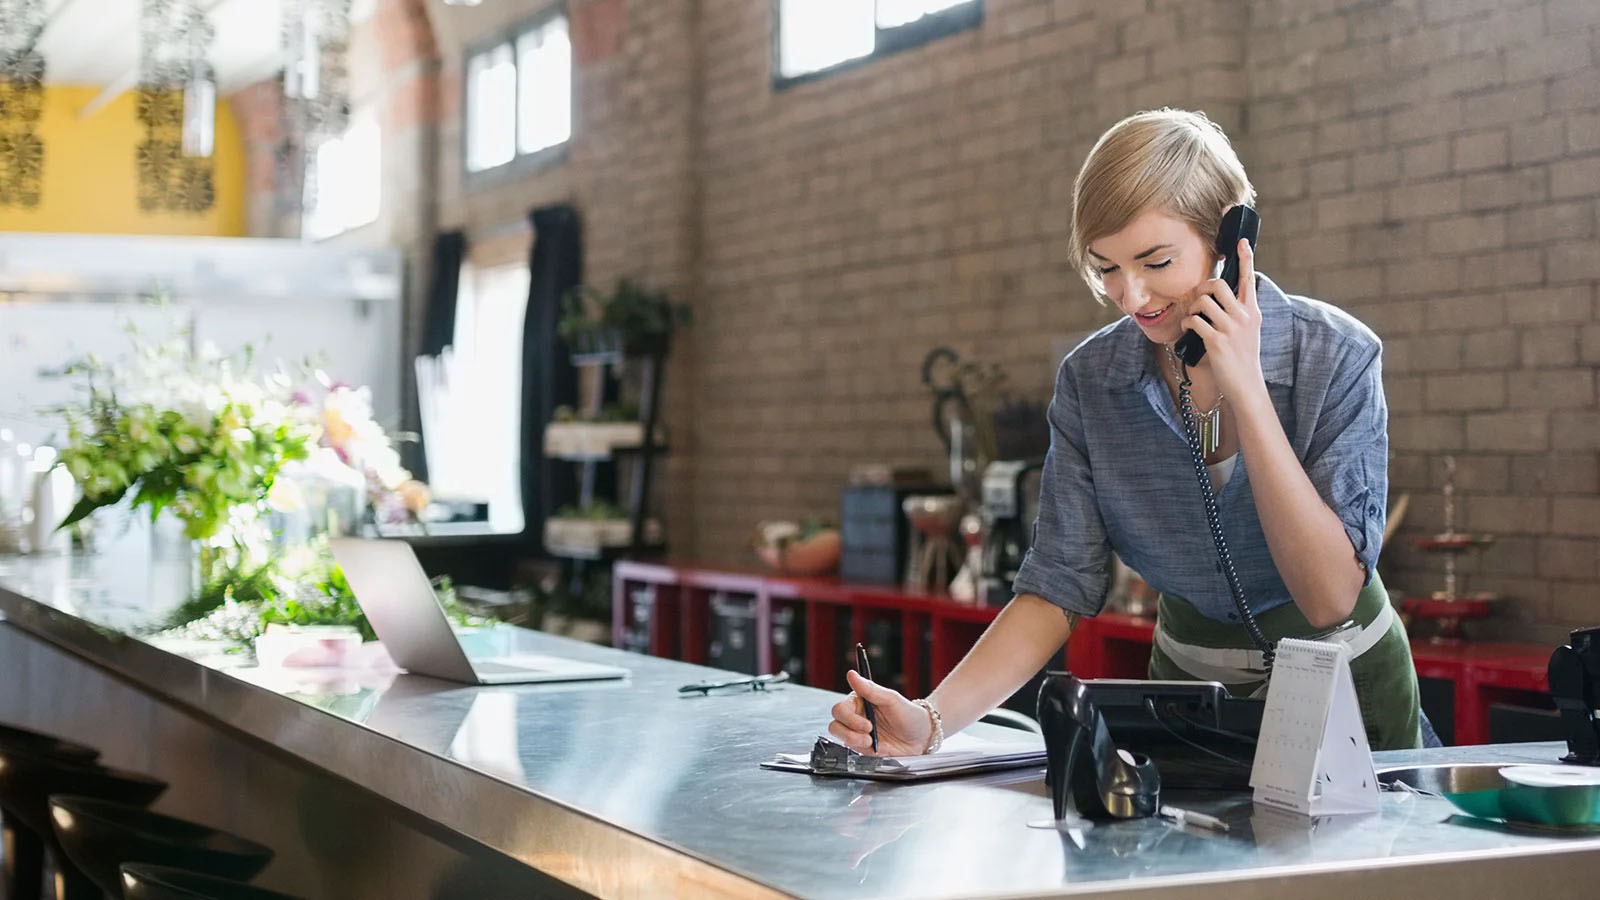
(96, 42)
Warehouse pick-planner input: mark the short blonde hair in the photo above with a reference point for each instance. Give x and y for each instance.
(1171, 159)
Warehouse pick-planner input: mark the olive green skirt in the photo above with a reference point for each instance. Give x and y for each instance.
(1385, 678)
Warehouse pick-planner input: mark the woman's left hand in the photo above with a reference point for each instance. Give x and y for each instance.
(1233, 336)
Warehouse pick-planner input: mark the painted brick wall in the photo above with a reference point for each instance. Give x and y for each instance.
(1431, 166)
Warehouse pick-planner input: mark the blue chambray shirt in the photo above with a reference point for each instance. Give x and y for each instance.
(1119, 476)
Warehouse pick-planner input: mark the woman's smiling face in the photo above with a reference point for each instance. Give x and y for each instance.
(1148, 269)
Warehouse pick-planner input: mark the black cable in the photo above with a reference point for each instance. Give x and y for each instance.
(1214, 517)
(1150, 706)
(1212, 729)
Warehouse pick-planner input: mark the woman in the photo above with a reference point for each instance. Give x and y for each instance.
(1292, 389)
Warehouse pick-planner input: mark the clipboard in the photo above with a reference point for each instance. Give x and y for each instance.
(960, 755)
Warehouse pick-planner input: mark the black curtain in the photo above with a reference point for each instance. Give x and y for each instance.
(438, 324)
(555, 266)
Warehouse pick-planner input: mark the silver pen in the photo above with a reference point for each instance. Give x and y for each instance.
(1190, 817)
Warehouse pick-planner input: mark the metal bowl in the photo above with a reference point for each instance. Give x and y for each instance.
(933, 515)
(1482, 789)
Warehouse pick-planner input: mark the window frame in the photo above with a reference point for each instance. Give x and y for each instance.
(520, 164)
(887, 42)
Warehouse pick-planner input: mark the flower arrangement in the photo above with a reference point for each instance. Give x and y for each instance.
(304, 587)
(184, 432)
(351, 441)
(199, 435)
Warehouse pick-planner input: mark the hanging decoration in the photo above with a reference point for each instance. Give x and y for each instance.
(21, 103)
(316, 94)
(177, 97)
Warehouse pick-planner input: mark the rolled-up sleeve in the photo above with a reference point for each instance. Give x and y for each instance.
(1348, 456)
(1069, 561)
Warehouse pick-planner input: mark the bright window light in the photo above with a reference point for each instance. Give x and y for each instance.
(474, 431)
(491, 108)
(901, 12)
(817, 34)
(347, 179)
(544, 74)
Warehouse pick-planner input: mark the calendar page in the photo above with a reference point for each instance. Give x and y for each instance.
(1313, 756)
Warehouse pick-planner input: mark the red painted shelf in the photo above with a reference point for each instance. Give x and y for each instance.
(1110, 645)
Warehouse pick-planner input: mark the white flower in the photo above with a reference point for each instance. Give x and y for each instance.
(285, 496)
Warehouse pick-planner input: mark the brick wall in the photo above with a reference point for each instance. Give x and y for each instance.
(629, 171)
(393, 70)
(1431, 166)
(257, 109)
(855, 222)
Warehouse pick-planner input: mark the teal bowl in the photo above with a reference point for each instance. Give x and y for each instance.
(1557, 796)
(1563, 796)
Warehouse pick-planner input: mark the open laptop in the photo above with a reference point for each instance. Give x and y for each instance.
(392, 589)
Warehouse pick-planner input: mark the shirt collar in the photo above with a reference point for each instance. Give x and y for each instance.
(1131, 362)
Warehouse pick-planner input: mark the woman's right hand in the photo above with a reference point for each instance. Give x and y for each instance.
(903, 727)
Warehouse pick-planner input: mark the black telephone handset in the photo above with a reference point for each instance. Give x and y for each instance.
(1238, 222)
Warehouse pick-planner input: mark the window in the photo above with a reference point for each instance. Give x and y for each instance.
(544, 87)
(519, 95)
(346, 179)
(491, 109)
(816, 36)
(471, 396)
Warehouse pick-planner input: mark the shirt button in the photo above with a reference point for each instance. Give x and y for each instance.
(1233, 617)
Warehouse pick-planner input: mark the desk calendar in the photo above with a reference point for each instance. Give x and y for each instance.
(1313, 757)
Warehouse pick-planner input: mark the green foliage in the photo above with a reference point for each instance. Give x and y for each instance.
(234, 583)
(611, 412)
(631, 313)
(199, 461)
(591, 599)
(598, 511)
(239, 605)
(812, 526)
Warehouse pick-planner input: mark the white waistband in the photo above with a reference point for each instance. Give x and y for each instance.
(1240, 666)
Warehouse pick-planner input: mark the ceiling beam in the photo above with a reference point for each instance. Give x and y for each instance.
(50, 18)
(124, 82)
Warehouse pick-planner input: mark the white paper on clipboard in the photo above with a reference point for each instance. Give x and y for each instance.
(961, 755)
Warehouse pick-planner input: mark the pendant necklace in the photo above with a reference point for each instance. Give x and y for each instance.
(1210, 421)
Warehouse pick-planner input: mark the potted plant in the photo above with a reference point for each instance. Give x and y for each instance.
(599, 526)
(572, 435)
(576, 610)
(630, 319)
(809, 548)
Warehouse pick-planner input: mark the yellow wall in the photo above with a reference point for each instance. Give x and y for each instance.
(89, 179)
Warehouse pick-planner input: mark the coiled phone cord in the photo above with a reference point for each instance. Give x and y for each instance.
(1214, 518)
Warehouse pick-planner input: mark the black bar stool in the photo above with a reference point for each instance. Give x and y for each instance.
(21, 851)
(141, 881)
(27, 779)
(47, 744)
(98, 836)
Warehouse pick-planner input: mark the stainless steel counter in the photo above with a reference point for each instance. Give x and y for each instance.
(626, 789)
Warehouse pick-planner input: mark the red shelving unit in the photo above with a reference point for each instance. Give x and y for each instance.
(1110, 645)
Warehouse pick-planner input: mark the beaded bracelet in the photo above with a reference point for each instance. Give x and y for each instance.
(937, 737)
